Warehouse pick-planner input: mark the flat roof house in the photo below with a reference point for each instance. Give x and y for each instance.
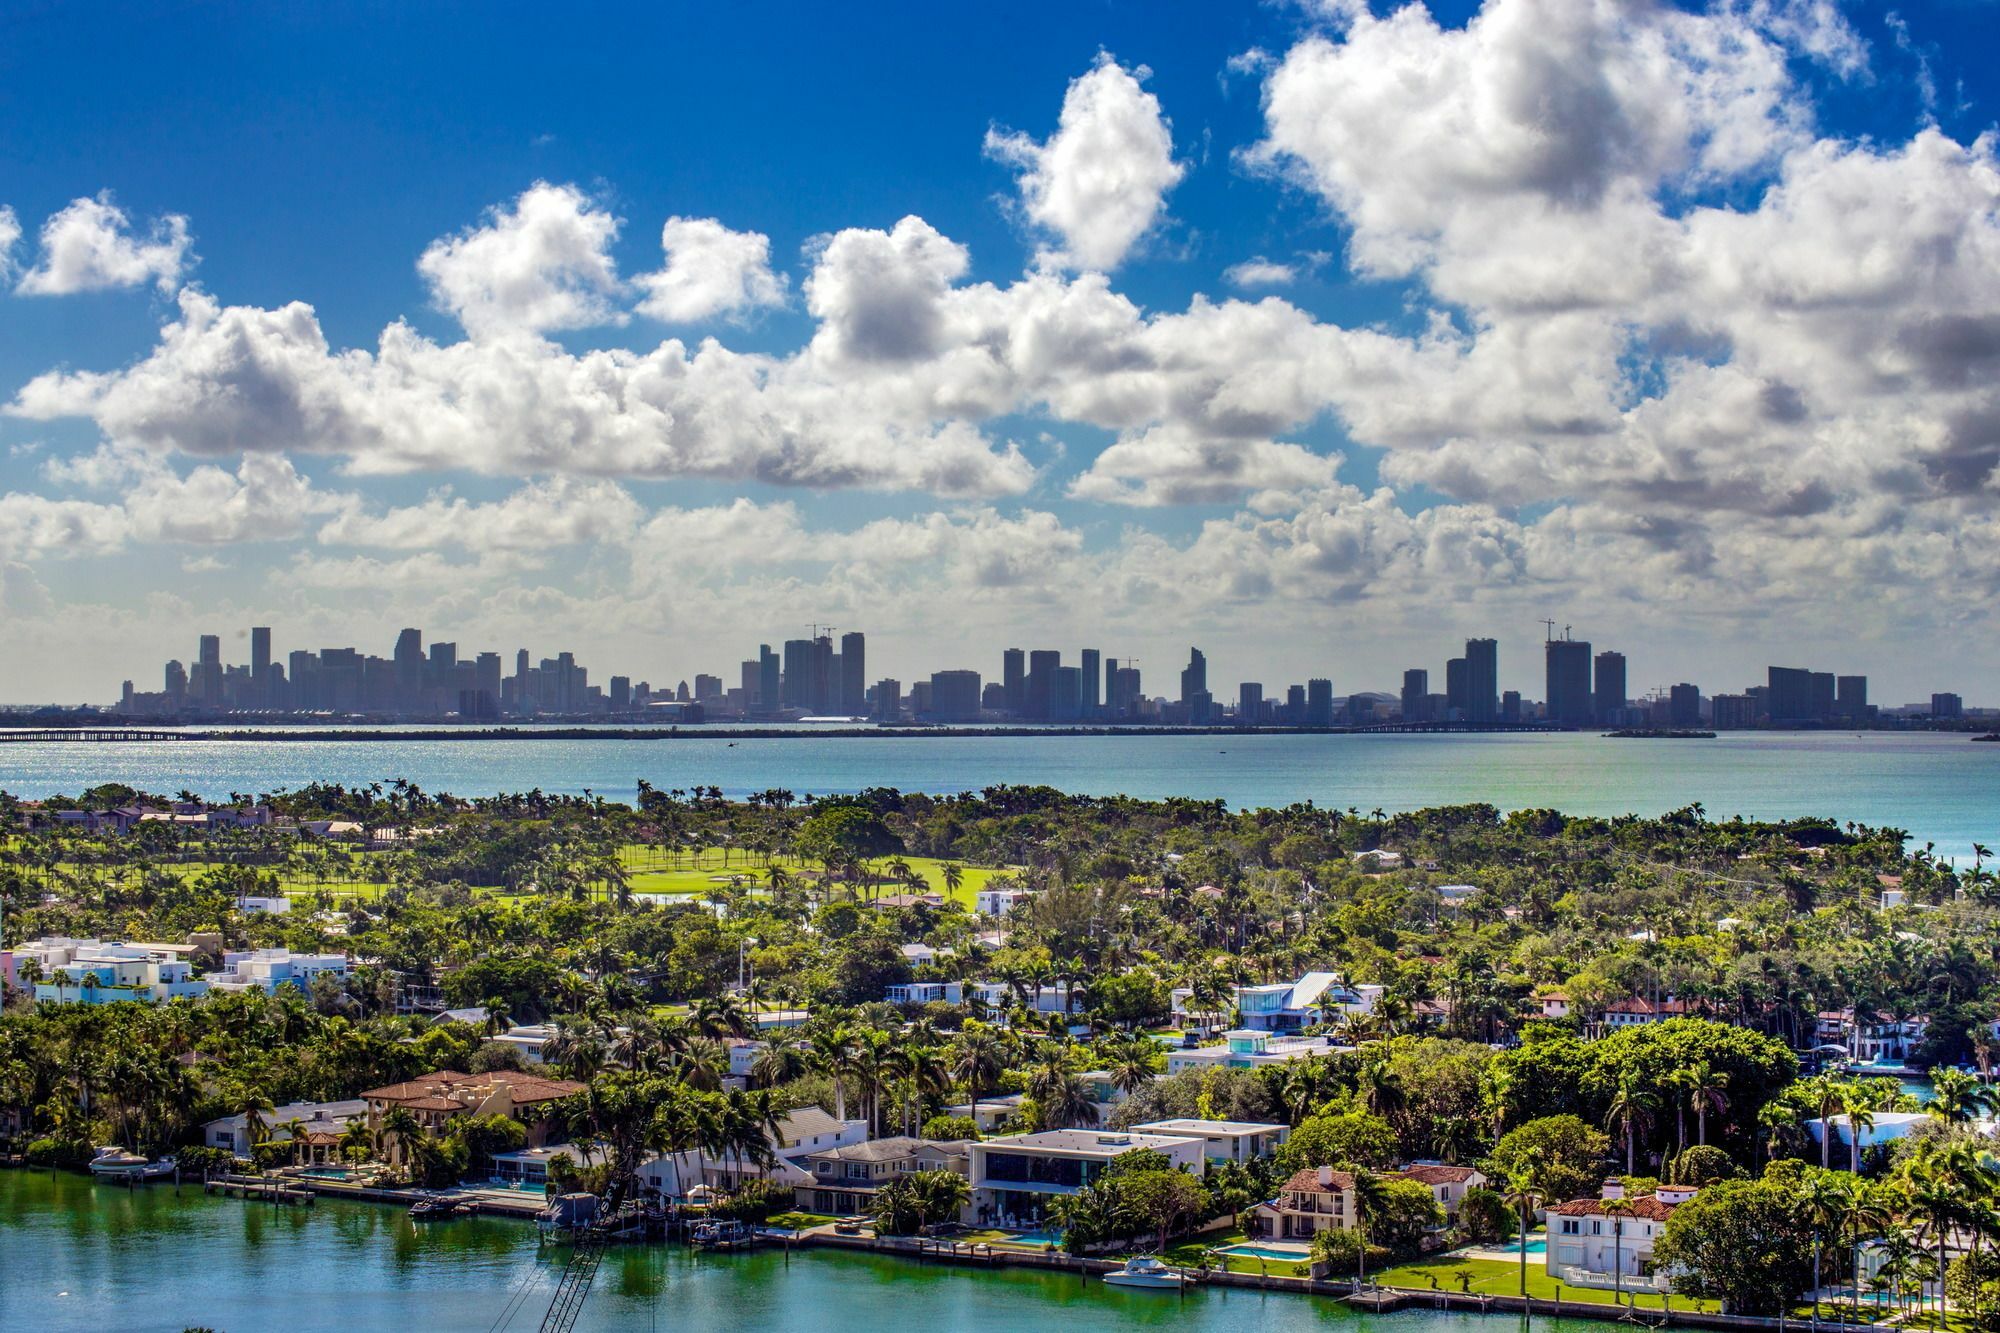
(1246, 1048)
(1224, 1140)
(322, 1122)
(1013, 1178)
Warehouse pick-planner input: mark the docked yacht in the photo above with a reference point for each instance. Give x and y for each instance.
(1146, 1271)
(117, 1164)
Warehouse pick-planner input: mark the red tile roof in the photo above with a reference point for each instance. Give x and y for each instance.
(1306, 1181)
(432, 1091)
(1645, 1205)
(1437, 1175)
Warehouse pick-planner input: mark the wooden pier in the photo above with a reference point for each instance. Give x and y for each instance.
(263, 1191)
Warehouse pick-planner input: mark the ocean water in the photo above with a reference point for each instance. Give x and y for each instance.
(1941, 787)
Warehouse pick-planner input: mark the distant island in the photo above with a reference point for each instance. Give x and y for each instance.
(1661, 734)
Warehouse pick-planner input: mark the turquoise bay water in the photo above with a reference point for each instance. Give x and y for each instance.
(78, 1255)
(1941, 787)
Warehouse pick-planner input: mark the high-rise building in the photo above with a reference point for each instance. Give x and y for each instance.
(1788, 698)
(1066, 694)
(1126, 692)
(409, 667)
(1510, 706)
(1732, 712)
(1608, 696)
(1319, 702)
(854, 674)
(1194, 676)
(1250, 703)
(823, 696)
(1110, 684)
(770, 677)
(1482, 680)
(208, 671)
(1093, 674)
(749, 680)
(1295, 705)
(1850, 697)
(1567, 669)
(260, 664)
(797, 690)
(1458, 688)
(1039, 691)
(176, 681)
(885, 701)
(1947, 707)
(707, 689)
(1416, 686)
(621, 693)
(1014, 680)
(1684, 705)
(955, 696)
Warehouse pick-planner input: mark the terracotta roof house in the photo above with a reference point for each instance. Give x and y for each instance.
(1590, 1246)
(1448, 1184)
(1316, 1199)
(438, 1098)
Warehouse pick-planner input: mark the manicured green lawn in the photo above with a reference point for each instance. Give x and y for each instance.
(653, 872)
(799, 1221)
(1493, 1277)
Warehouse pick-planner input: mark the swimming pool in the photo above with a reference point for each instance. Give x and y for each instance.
(1036, 1238)
(1295, 1256)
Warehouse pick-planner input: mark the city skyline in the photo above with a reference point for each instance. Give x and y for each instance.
(824, 676)
(1264, 329)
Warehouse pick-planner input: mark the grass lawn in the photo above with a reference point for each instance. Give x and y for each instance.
(290, 883)
(652, 872)
(1494, 1277)
(799, 1221)
(1189, 1255)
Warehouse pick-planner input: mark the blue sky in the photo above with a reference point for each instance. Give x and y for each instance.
(1508, 439)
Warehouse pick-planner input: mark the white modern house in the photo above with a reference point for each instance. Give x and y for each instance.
(105, 972)
(999, 902)
(268, 969)
(800, 1132)
(1287, 1006)
(1014, 1178)
(1224, 1140)
(925, 992)
(989, 1113)
(1883, 1127)
(1246, 1048)
(1589, 1247)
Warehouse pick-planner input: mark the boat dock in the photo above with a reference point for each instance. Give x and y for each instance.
(260, 1189)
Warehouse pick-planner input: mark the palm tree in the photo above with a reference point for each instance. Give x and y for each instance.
(1135, 1062)
(978, 1062)
(1860, 1119)
(780, 1061)
(1617, 1210)
(1630, 1107)
(1829, 1099)
(1708, 1089)
(1823, 1206)
(833, 1055)
(1868, 1215)
(399, 1129)
(1524, 1196)
(1370, 1195)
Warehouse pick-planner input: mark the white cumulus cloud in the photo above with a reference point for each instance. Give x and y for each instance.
(710, 271)
(541, 264)
(1100, 182)
(90, 246)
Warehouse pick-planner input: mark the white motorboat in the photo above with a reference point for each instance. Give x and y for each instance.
(117, 1164)
(1146, 1271)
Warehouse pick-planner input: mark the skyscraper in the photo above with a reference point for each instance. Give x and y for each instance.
(1014, 680)
(796, 691)
(1039, 691)
(409, 667)
(1194, 676)
(821, 695)
(1684, 705)
(1482, 680)
(1319, 702)
(260, 664)
(1416, 688)
(1249, 703)
(1066, 694)
(955, 696)
(1608, 696)
(770, 675)
(854, 673)
(1458, 688)
(208, 671)
(1788, 695)
(1093, 676)
(1851, 697)
(1568, 681)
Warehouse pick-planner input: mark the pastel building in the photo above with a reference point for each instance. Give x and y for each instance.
(268, 969)
(1589, 1247)
(1288, 1006)
(1224, 1140)
(98, 972)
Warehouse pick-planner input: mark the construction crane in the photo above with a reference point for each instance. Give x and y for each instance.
(1549, 627)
